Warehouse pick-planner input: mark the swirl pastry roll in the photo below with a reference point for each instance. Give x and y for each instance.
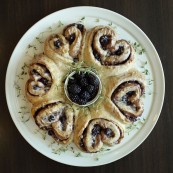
(57, 118)
(106, 52)
(125, 96)
(96, 129)
(66, 47)
(44, 79)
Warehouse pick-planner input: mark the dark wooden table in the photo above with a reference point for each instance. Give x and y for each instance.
(155, 18)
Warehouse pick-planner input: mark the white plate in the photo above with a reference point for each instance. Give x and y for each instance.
(20, 108)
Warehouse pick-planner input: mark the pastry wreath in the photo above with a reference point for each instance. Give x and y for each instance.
(122, 86)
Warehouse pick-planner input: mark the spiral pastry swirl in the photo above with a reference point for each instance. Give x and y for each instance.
(74, 34)
(108, 53)
(40, 80)
(125, 96)
(57, 118)
(66, 47)
(58, 44)
(96, 131)
(44, 76)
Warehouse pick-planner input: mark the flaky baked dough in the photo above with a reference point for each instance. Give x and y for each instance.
(64, 54)
(39, 106)
(105, 69)
(83, 120)
(113, 83)
(60, 63)
(56, 75)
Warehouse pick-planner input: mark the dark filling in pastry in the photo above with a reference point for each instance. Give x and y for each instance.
(57, 43)
(105, 41)
(47, 83)
(51, 118)
(34, 72)
(77, 25)
(81, 142)
(63, 119)
(96, 55)
(126, 100)
(43, 81)
(119, 51)
(72, 37)
(44, 107)
(108, 132)
(97, 129)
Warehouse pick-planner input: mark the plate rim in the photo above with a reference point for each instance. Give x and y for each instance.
(161, 99)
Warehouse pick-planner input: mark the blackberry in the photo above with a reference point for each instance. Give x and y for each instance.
(93, 80)
(51, 118)
(85, 95)
(104, 40)
(130, 93)
(108, 132)
(36, 87)
(74, 98)
(82, 101)
(72, 81)
(79, 76)
(71, 38)
(119, 51)
(43, 81)
(80, 27)
(84, 82)
(74, 88)
(34, 72)
(93, 94)
(96, 130)
(90, 88)
(57, 43)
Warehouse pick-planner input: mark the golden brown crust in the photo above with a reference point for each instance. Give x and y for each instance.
(47, 66)
(114, 83)
(114, 66)
(57, 54)
(57, 117)
(70, 44)
(84, 120)
(104, 64)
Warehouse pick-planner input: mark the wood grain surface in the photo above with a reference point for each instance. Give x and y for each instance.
(155, 18)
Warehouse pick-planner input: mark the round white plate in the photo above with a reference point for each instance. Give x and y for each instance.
(31, 43)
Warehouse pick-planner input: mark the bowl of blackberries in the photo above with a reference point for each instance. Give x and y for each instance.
(82, 87)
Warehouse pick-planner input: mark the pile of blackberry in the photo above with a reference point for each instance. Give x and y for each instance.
(82, 87)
